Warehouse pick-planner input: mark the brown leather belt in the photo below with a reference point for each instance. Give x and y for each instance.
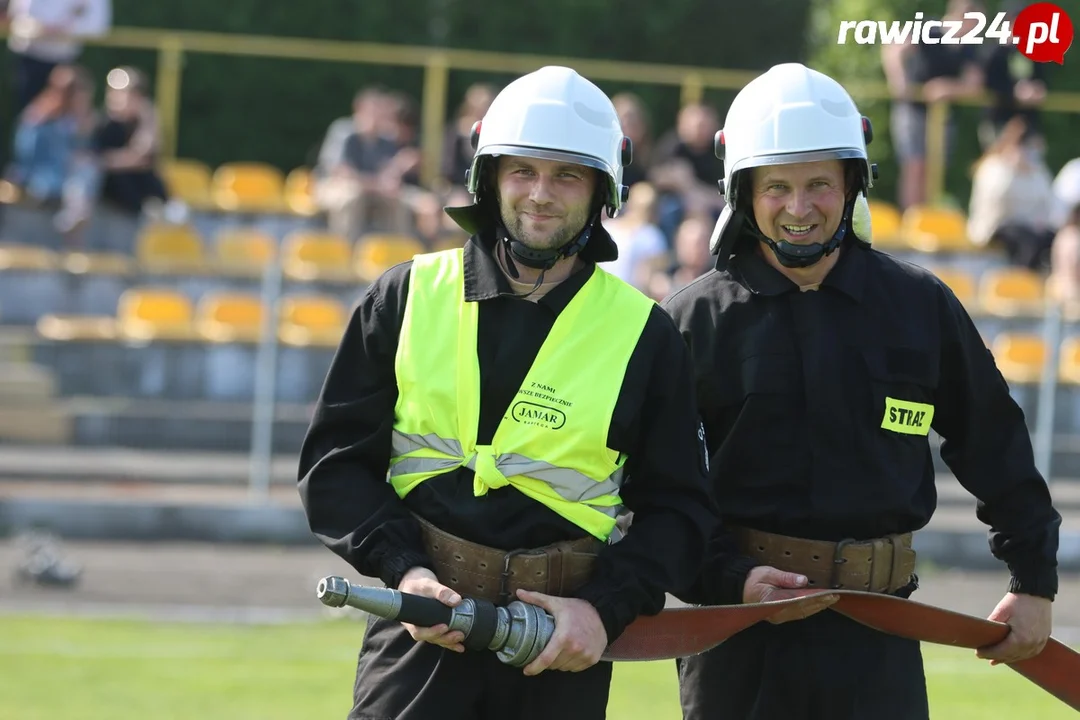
(495, 575)
(881, 565)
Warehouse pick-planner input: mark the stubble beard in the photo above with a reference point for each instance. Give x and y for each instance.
(515, 226)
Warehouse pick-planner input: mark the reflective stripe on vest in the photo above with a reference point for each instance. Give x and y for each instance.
(551, 444)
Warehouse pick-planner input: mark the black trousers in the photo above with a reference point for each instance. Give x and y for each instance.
(826, 667)
(398, 678)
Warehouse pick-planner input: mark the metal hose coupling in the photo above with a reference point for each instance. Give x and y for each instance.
(517, 633)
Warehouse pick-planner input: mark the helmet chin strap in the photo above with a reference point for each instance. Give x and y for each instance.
(799, 256)
(542, 260)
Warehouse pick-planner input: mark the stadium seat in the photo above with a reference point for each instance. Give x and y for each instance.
(961, 283)
(1012, 292)
(189, 181)
(243, 251)
(27, 257)
(1069, 362)
(377, 253)
(147, 313)
(316, 256)
(67, 328)
(166, 248)
(311, 320)
(299, 192)
(229, 317)
(936, 229)
(885, 218)
(248, 187)
(96, 280)
(78, 263)
(1019, 356)
(31, 284)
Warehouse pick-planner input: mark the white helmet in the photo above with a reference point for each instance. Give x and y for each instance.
(555, 114)
(790, 114)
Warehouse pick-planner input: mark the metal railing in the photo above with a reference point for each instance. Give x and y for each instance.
(437, 63)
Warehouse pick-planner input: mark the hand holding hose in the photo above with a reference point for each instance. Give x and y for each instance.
(421, 581)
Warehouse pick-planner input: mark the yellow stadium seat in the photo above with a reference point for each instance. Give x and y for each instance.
(377, 253)
(229, 317)
(243, 251)
(189, 181)
(248, 187)
(1019, 356)
(1012, 292)
(148, 313)
(79, 263)
(308, 256)
(27, 257)
(1069, 362)
(306, 320)
(885, 224)
(167, 248)
(299, 192)
(961, 283)
(78, 327)
(936, 229)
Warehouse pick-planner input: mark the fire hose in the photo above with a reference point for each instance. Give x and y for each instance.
(518, 632)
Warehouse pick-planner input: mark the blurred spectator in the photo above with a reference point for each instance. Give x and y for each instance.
(128, 141)
(1066, 192)
(686, 170)
(457, 151)
(83, 185)
(403, 170)
(642, 247)
(54, 164)
(358, 180)
(947, 72)
(1016, 83)
(636, 125)
(333, 144)
(44, 34)
(1011, 197)
(403, 130)
(692, 257)
(1064, 281)
(46, 136)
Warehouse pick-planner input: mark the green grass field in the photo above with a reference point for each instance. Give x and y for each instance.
(113, 670)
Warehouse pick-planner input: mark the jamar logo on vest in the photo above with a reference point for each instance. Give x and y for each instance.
(533, 414)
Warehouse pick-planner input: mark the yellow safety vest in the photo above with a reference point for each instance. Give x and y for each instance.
(552, 442)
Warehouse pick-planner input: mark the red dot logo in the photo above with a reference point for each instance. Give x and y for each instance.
(1043, 32)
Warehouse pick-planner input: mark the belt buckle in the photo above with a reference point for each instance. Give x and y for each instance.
(504, 576)
(838, 561)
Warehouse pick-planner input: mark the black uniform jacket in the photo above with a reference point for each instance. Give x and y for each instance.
(343, 466)
(806, 399)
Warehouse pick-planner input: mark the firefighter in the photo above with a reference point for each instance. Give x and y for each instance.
(493, 415)
(821, 366)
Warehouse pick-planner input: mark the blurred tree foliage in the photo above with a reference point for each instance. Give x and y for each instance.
(277, 110)
(853, 63)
